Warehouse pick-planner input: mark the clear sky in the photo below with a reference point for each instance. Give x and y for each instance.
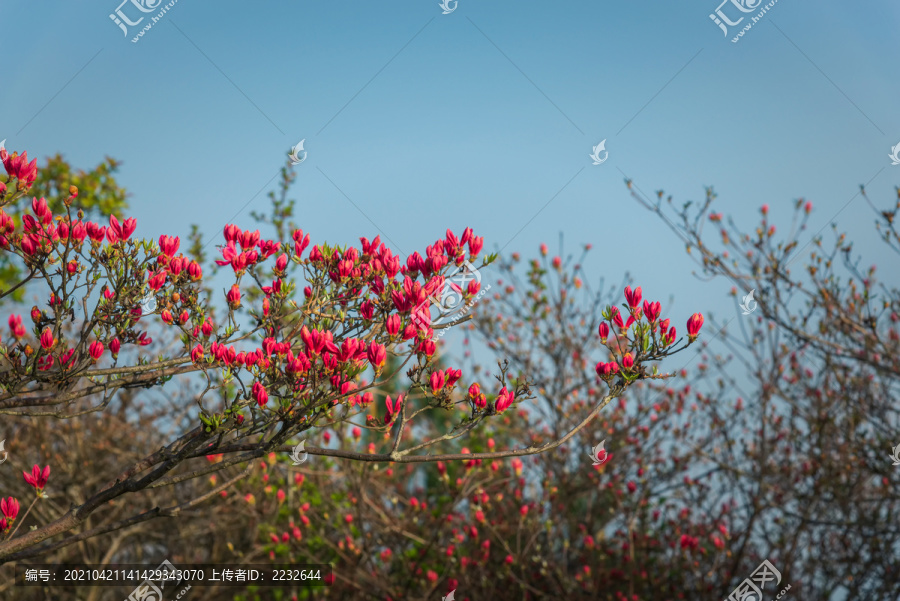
(415, 121)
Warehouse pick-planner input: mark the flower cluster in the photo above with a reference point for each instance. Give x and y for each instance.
(366, 287)
(18, 167)
(362, 284)
(9, 507)
(652, 337)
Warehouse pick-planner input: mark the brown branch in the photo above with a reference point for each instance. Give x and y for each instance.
(400, 458)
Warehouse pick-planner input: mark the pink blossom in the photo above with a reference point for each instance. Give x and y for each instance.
(37, 478)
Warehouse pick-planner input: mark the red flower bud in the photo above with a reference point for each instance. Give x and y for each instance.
(197, 353)
(504, 400)
(693, 325)
(157, 280)
(475, 245)
(393, 324)
(604, 332)
(231, 232)
(37, 478)
(670, 338)
(652, 310)
(260, 394)
(301, 242)
(169, 245)
(376, 354)
(248, 239)
(606, 370)
(393, 408)
(234, 296)
(437, 381)
(633, 297)
(617, 317)
(15, 326)
(10, 508)
(47, 339)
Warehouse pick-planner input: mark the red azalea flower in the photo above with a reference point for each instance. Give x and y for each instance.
(47, 339)
(10, 508)
(37, 478)
(633, 297)
(504, 400)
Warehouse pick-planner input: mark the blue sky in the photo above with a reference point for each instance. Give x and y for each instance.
(418, 121)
